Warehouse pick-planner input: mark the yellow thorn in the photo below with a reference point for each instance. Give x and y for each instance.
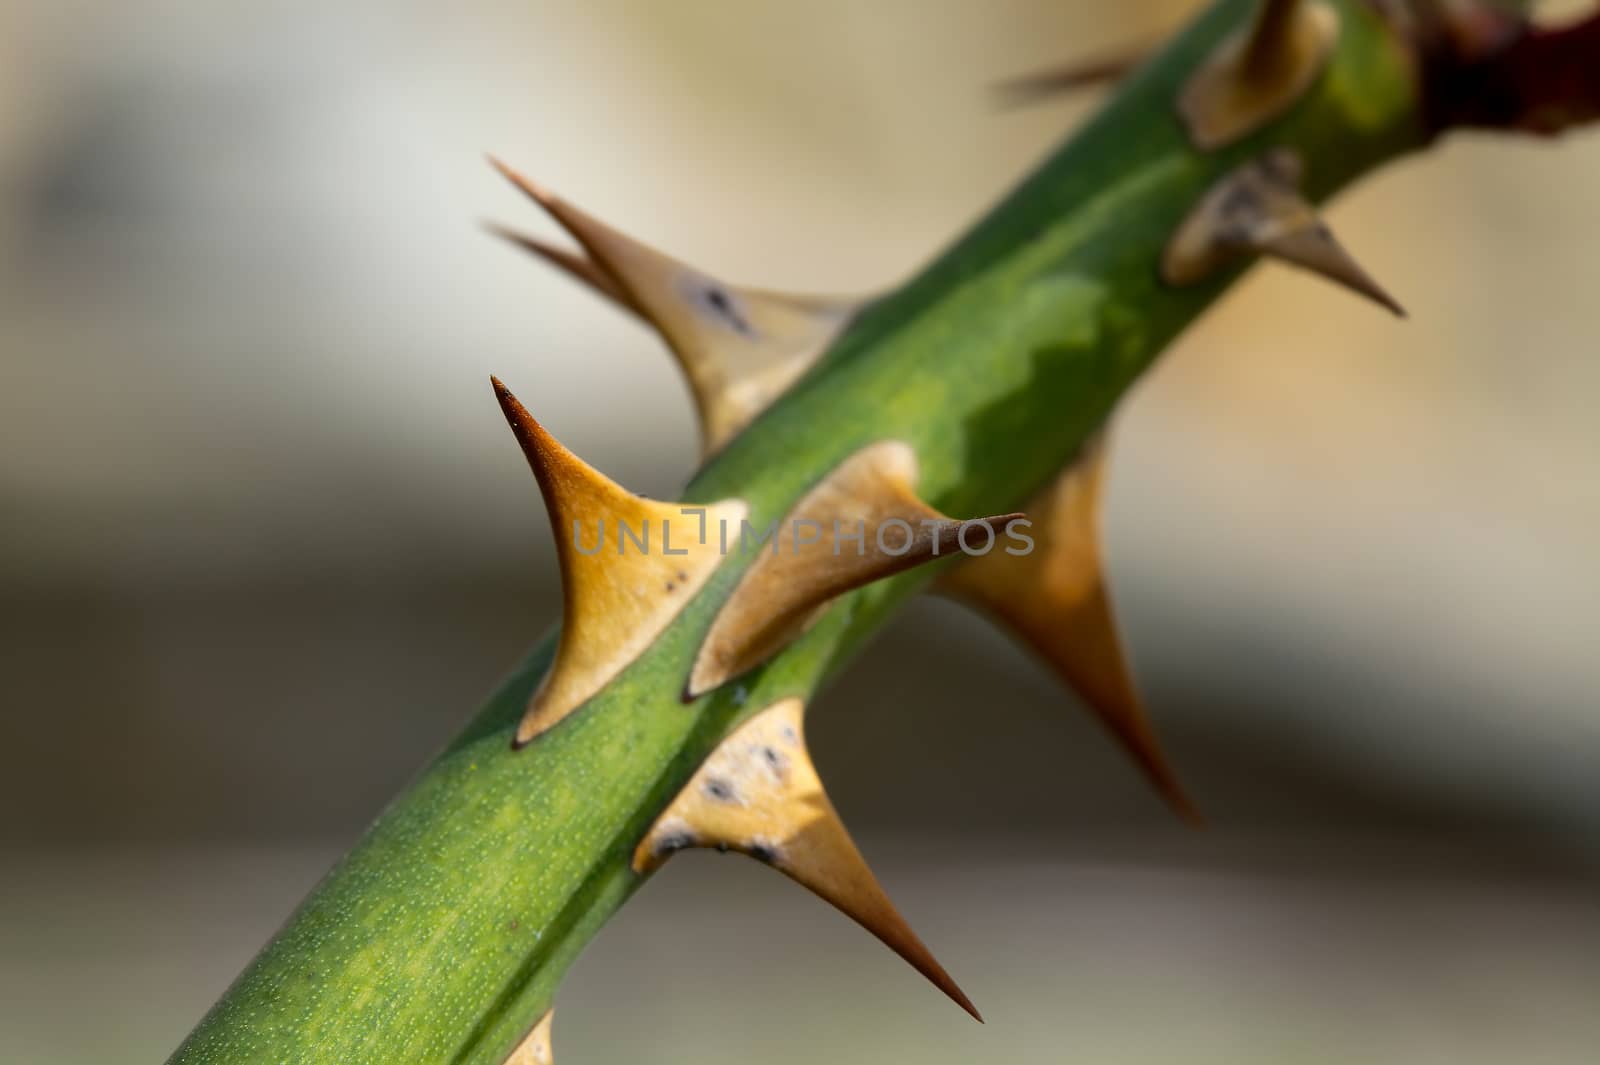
(862, 523)
(1260, 72)
(535, 1047)
(740, 348)
(1054, 598)
(1258, 208)
(758, 793)
(628, 565)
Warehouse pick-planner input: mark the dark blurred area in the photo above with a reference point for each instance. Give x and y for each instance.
(267, 543)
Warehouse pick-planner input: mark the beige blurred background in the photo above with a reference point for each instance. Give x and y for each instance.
(266, 541)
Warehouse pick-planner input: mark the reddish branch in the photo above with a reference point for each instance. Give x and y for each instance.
(1490, 69)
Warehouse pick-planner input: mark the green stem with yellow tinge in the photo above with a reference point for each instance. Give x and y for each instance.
(442, 936)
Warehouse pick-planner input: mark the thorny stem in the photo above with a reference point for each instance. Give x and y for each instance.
(444, 933)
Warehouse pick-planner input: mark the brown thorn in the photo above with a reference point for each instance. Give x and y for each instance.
(1259, 72)
(740, 348)
(613, 605)
(787, 588)
(1258, 208)
(569, 262)
(1055, 599)
(1086, 73)
(758, 794)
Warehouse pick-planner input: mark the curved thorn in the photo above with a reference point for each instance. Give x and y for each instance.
(1258, 73)
(569, 262)
(1055, 599)
(613, 604)
(740, 348)
(867, 503)
(1086, 73)
(759, 794)
(1257, 208)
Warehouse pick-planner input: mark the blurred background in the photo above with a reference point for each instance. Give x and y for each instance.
(265, 541)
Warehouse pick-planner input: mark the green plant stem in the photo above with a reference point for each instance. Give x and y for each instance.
(442, 936)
